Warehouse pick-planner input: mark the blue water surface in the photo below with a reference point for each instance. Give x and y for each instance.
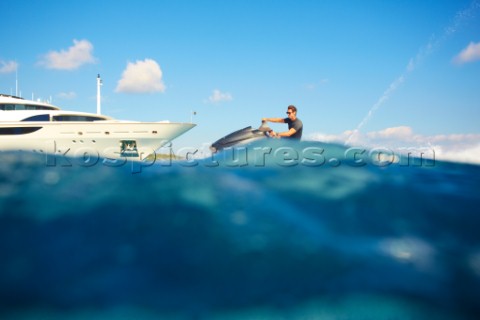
(332, 237)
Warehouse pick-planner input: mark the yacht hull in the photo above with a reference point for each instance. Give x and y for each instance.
(105, 139)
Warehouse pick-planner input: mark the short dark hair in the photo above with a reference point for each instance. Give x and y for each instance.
(292, 107)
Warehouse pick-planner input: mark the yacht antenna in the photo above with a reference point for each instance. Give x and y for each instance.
(16, 80)
(193, 113)
(99, 83)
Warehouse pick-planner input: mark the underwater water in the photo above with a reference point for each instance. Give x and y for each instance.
(312, 231)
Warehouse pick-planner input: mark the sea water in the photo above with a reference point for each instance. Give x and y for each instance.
(313, 231)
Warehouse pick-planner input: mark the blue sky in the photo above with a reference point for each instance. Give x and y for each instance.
(234, 62)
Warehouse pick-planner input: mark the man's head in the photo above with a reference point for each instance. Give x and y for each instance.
(292, 112)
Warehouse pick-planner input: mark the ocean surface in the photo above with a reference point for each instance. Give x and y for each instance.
(302, 231)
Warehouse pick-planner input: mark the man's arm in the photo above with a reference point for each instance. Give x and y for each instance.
(286, 133)
(278, 120)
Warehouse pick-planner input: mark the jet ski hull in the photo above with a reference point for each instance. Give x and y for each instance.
(239, 137)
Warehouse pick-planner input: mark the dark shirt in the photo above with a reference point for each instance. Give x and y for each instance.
(297, 125)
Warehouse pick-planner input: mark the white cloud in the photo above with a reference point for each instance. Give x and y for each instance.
(452, 147)
(313, 86)
(72, 58)
(67, 95)
(141, 77)
(401, 132)
(469, 54)
(8, 66)
(218, 96)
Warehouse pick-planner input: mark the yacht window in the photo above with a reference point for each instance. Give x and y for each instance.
(32, 107)
(76, 118)
(18, 130)
(40, 117)
(10, 107)
(7, 107)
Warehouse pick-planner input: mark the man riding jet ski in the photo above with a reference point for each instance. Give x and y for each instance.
(247, 135)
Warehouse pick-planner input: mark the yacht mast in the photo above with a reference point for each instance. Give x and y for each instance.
(99, 83)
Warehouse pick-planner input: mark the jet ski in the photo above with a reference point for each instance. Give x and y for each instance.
(242, 136)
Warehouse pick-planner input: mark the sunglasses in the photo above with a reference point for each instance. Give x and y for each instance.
(289, 113)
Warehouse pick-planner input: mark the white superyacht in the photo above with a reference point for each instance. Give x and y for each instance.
(29, 125)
